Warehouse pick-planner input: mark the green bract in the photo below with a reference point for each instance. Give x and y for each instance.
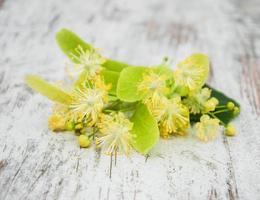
(52, 92)
(127, 86)
(113, 65)
(145, 130)
(111, 78)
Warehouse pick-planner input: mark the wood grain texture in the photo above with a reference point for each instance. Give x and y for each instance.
(37, 164)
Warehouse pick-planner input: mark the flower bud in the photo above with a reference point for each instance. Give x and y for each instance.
(83, 141)
(78, 126)
(70, 125)
(236, 111)
(230, 130)
(230, 105)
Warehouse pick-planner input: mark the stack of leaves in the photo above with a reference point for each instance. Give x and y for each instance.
(118, 107)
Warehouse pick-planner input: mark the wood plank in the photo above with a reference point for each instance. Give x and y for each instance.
(37, 164)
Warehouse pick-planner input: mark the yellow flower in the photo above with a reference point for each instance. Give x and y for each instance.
(230, 105)
(152, 86)
(115, 134)
(200, 101)
(210, 105)
(175, 118)
(207, 128)
(88, 60)
(88, 102)
(57, 122)
(156, 105)
(192, 72)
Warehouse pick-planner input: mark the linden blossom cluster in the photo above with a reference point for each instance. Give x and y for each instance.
(119, 106)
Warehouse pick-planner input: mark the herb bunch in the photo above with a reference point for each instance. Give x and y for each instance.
(117, 106)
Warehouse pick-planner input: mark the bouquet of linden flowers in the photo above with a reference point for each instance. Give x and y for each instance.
(120, 107)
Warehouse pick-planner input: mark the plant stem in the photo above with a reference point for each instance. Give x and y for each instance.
(214, 116)
(220, 111)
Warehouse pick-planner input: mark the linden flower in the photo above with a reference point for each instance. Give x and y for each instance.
(210, 104)
(156, 106)
(88, 103)
(175, 118)
(57, 123)
(207, 128)
(191, 74)
(200, 101)
(58, 120)
(88, 60)
(115, 134)
(152, 85)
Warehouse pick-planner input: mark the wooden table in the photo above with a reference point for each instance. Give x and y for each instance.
(37, 164)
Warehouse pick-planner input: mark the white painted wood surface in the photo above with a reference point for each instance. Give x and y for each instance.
(37, 164)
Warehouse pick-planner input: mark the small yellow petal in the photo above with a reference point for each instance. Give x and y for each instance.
(79, 126)
(57, 122)
(210, 105)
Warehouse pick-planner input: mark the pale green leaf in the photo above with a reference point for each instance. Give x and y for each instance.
(196, 59)
(145, 130)
(110, 77)
(127, 86)
(113, 65)
(164, 70)
(52, 92)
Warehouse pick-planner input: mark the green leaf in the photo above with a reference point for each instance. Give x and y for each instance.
(225, 117)
(164, 70)
(196, 59)
(145, 130)
(110, 77)
(128, 82)
(69, 42)
(48, 90)
(113, 65)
